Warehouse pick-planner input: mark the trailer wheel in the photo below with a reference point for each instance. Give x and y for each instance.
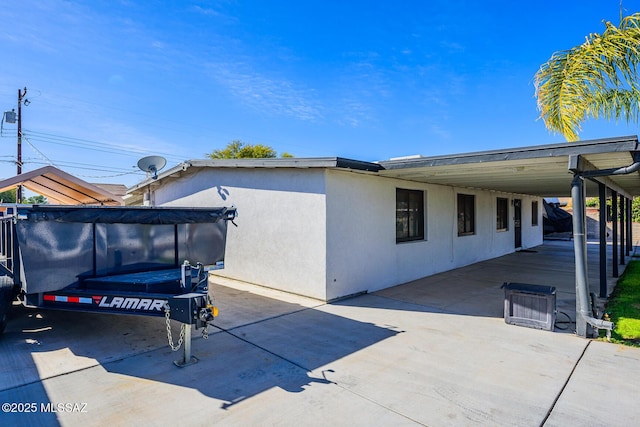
(6, 298)
(3, 319)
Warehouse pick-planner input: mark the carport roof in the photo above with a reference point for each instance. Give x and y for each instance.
(541, 170)
(61, 188)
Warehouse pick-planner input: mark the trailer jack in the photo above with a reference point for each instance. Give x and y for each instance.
(189, 309)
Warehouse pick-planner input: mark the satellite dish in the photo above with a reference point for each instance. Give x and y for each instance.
(152, 164)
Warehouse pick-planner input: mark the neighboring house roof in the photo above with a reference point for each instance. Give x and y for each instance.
(60, 187)
(541, 170)
(115, 189)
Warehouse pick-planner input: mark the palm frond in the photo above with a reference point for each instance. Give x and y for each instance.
(599, 78)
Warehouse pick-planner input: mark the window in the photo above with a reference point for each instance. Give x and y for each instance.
(409, 215)
(466, 214)
(534, 213)
(502, 214)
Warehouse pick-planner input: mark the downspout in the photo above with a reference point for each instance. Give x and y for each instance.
(584, 317)
(626, 170)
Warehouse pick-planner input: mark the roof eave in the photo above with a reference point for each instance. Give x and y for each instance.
(279, 163)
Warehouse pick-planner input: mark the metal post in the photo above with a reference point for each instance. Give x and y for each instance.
(622, 227)
(187, 357)
(629, 226)
(187, 344)
(614, 231)
(602, 190)
(21, 95)
(583, 329)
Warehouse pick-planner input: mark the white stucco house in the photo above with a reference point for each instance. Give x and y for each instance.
(333, 227)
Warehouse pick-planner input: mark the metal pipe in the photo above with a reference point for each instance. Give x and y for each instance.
(583, 318)
(583, 315)
(613, 171)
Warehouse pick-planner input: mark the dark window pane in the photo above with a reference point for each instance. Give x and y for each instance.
(502, 213)
(409, 215)
(534, 212)
(466, 214)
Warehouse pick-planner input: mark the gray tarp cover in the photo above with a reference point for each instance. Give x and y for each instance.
(126, 215)
(557, 220)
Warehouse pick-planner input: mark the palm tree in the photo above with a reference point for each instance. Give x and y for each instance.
(598, 79)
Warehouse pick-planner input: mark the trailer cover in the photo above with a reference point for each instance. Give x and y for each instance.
(62, 246)
(126, 215)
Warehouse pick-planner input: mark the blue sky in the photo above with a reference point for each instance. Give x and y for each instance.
(112, 81)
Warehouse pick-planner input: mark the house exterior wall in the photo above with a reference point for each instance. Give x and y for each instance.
(362, 253)
(280, 238)
(330, 233)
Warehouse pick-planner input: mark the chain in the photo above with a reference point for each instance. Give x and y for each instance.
(167, 315)
(205, 332)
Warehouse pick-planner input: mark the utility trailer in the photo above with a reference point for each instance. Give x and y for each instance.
(148, 261)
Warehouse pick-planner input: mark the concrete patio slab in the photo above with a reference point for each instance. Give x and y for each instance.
(432, 352)
(601, 390)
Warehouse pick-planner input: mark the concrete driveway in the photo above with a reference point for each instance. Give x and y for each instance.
(432, 352)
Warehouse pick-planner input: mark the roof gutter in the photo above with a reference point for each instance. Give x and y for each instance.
(583, 315)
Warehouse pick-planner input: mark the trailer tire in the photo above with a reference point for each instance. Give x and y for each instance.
(4, 317)
(6, 298)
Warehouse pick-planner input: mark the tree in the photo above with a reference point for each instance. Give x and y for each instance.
(36, 200)
(598, 79)
(8, 196)
(239, 150)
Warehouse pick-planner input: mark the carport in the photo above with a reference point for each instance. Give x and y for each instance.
(62, 188)
(604, 168)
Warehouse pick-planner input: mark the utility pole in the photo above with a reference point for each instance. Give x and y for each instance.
(21, 95)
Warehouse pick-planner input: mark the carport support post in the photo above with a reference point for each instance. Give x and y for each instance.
(602, 190)
(623, 225)
(580, 249)
(629, 226)
(614, 231)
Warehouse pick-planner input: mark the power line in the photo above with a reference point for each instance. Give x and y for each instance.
(37, 151)
(75, 165)
(43, 159)
(72, 164)
(120, 172)
(214, 132)
(91, 145)
(32, 137)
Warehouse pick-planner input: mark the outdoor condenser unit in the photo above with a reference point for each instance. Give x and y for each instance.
(533, 306)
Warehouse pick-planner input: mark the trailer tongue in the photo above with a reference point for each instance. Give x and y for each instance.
(119, 260)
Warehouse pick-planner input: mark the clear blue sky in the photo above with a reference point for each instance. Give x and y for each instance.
(112, 81)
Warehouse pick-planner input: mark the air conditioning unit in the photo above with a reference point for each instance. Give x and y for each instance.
(533, 306)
